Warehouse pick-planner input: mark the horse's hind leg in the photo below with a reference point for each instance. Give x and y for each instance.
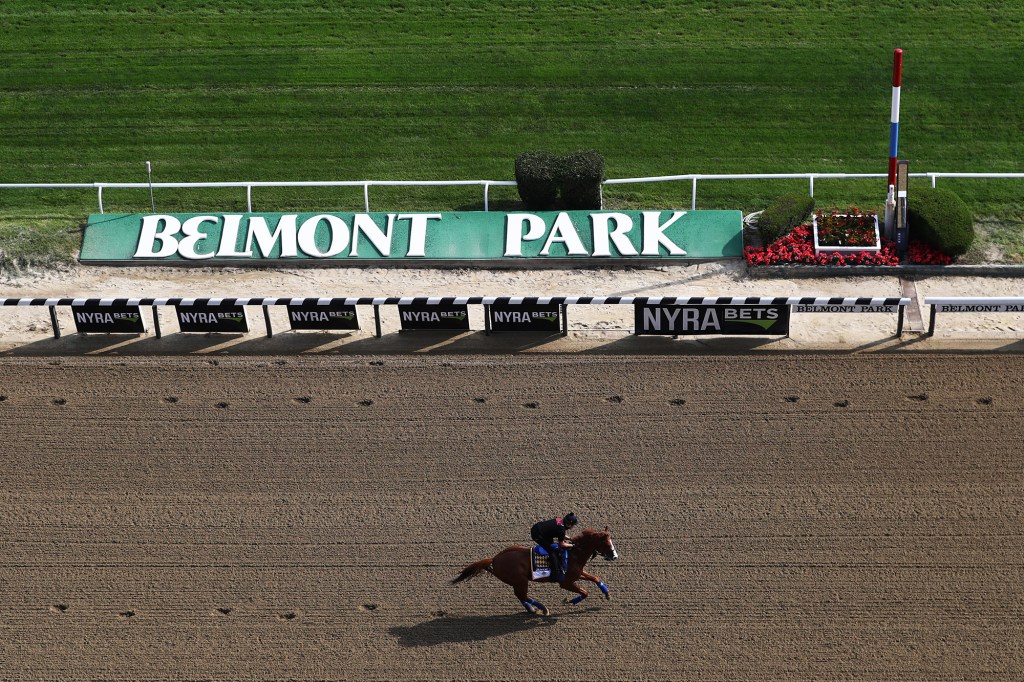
(532, 605)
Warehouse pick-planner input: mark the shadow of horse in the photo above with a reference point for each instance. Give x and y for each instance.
(461, 629)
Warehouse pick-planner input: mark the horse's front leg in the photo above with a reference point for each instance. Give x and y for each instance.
(573, 587)
(597, 581)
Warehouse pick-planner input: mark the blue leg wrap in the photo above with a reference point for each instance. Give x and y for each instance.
(603, 588)
(577, 599)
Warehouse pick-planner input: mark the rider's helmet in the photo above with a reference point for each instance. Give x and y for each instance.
(570, 520)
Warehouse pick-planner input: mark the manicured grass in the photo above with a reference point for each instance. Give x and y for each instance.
(38, 239)
(301, 90)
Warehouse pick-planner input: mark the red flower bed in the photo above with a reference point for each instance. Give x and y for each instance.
(798, 247)
(852, 229)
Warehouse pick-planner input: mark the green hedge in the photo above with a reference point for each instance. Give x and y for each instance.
(783, 214)
(941, 218)
(537, 179)
(541, 175)
(580, 178)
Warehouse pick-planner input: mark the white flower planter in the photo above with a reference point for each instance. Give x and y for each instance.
(818, 248)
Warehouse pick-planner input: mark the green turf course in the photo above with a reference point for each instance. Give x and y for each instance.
(301, 90)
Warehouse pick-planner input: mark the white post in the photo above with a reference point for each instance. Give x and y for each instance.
(812, 185)
(934, 175)
(890, 212)
(99, 190)
(149, 174)
(693, 200)
(487, 188)
(248, 198)
(366, 196)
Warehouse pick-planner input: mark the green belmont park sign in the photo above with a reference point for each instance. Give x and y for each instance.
(346, 237)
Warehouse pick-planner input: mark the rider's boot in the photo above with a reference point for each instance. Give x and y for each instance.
(556, 563)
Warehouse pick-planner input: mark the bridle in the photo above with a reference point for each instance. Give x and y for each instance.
(610, 555)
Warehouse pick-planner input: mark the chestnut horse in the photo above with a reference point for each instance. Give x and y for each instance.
(512, 566)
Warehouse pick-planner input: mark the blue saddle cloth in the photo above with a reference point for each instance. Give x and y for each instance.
(540, 558)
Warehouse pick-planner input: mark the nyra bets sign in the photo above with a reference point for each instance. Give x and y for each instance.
(346, 237)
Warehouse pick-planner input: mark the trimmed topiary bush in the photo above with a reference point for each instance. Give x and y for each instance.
(783, 214)
(537, 179)
(580, 177)
(941, 218)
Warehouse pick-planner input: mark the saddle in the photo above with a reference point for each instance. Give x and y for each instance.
(540, 562)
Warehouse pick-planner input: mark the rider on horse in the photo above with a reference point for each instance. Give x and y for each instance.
(550, 535)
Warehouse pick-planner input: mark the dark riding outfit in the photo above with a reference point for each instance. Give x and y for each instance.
(550, 535)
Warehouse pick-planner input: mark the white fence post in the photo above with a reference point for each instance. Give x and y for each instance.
(693, 199)
(487, 188)
(366, 196)
(99, 190)
(933, 179)
(248, 198)
(812, 185)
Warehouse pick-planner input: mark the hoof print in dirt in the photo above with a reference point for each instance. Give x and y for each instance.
(171, 399)
(223, 610)
(58, 608)
(60, 401)
(302, 400)
(531, 405)
(366, 403)
(918, 398)
(677, 402)
(479, 401)
(368, 607)
(617, 399)
(841, 403)
(288, 615)
(126, 614)
(376, 363)
(438, 614)
(984, 401)
(792, 398)
(222, 405)
(3, 398)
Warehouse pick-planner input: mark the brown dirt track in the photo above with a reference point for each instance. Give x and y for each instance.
(257, 518)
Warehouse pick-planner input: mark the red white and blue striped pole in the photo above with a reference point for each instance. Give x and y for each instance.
(894, 120)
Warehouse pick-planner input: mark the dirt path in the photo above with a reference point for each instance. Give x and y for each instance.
(778, 517)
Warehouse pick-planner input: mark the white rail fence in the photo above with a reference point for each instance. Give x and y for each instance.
(486, 184)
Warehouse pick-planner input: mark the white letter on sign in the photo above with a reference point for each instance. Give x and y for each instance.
(564, 231)
(190, 228)
(623, 224)
(418, 231)
(654, 233)
(229, 237)
(514, 236)
(362, 223)
(285, 232)
(151, 232)
(339, 236)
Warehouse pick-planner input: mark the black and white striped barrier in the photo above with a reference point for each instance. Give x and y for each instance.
(797, 304)
(964, 304)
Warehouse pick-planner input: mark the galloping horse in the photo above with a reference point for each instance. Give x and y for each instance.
(512, 566)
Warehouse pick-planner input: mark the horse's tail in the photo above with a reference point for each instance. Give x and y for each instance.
(472, 571)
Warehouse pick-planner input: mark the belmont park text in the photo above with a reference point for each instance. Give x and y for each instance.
(458, 235)
(293, 238)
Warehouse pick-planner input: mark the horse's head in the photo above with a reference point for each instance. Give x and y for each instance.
(598, 542)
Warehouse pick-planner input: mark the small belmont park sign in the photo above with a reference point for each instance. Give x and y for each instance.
(339, 237)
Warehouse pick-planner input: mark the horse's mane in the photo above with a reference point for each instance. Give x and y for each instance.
(587, 534)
